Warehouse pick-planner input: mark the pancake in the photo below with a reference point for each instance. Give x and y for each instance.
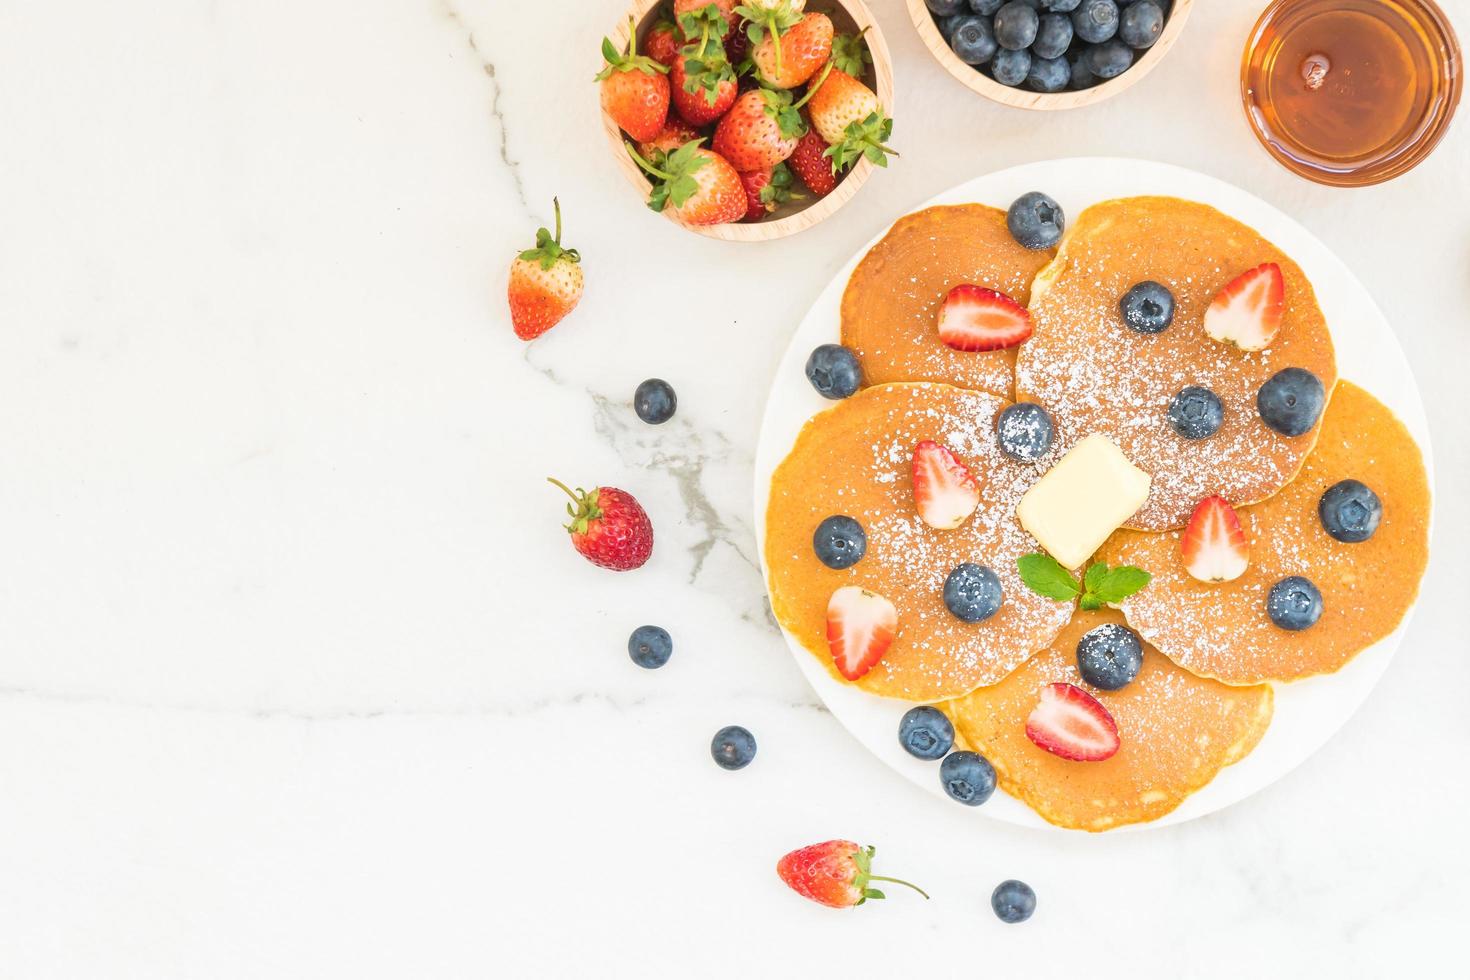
(890, 308)
(1222, 630)
(1177, 732)
(856, 459)
(1095, 375)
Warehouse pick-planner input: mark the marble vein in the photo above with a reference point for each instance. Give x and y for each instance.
(512, 166)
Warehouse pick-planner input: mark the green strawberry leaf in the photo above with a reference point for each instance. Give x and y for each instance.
(1045, 576)
(850, 54)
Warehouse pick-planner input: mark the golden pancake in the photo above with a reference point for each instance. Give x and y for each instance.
(1177, 732)
(1221, 630)
(1095, 375)
(856, 459)
(890, 308)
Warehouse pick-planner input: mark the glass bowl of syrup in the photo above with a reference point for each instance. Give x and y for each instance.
(1351, 92)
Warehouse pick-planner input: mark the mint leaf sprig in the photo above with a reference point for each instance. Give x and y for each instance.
(1100, 585)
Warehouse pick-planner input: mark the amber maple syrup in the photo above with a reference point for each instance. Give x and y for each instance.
(1351, 92)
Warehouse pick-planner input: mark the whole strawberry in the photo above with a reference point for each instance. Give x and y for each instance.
(770, 18)
(662, 42)
(676, 133)
(766, 190)
(702, 86)
(634, 92)
(835, 873)
(806, 46)
(608, 527)
(545, 283)
(696, 186)
(759, 131)
(847, 115)
(812, 165)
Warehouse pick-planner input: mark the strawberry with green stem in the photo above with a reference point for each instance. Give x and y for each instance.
(774, 17)
(805, 47)
(766, 190)
(703, 85)
(634, 91)
(835, 873)
(847, 114)
(545, 283)
(697, 186)
(705, 18)
(608, 527)
(760, 130)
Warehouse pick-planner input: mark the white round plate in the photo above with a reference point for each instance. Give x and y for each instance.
(1307, 712)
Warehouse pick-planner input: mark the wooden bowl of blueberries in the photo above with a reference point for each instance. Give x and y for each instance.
(1049, 54)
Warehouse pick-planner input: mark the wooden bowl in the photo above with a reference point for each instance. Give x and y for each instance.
(849, 17)
(1022, 98)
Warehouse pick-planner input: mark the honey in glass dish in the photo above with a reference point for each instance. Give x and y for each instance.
(1351, 92)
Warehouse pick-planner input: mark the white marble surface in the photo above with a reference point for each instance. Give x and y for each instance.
(298, 677)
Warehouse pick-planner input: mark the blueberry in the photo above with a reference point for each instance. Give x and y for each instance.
(839, 542)
(1048, 74)
(1035, 220)
(1290, 401)
(1010, 67)
(1060, 6)
(1013, 901)
(1294, 603)
(972, 592)
(1095, 20)
(1024, 431)
(948, 25)
(650, 646)
(973, 41)
(925, 733)
(1141, 24)
(654, 401)
(1108, 656)
(1109, 59)
(1196, 413)
(986, 8)
(1148, 306)
(1053, 37)
(968, 777)
(943, 8)
(733, 747)
(1015, 25)
(834, 371)
(1082, 76)
(1350, 511)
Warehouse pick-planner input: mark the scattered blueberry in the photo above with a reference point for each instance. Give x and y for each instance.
(1196, 413)
(1013, 901)
(1053, 37)
(973, 41)
(1350, 511)
(1148, 307)
(973, 592)
(839, 542)
(1294, 603)
(968, 777)
(925, 733)
(654, 401)
(1015, 25)
(1290, 401)
(733, 747)
(986, 8)
(1108, 656)
(1035, 220)
(1141, 24)
(1095, 20)
(943, 8)
(650, 646)
(1109, 59)
(834, 371)
(1082, 76)
(1048, 74)
(1060, 6)
(1010, 67)
(1024, 431)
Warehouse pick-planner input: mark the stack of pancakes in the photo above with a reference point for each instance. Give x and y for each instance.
(1202, 699)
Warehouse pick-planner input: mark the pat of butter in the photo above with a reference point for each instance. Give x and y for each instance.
(1085, 497)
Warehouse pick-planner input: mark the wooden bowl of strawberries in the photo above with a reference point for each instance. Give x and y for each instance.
(747, 120)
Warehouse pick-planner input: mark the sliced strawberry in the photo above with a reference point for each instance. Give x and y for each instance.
(1247, 312)
(945, 491)
(1073, 724)
(1213, 546)
(860, 628)
(973, 318)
